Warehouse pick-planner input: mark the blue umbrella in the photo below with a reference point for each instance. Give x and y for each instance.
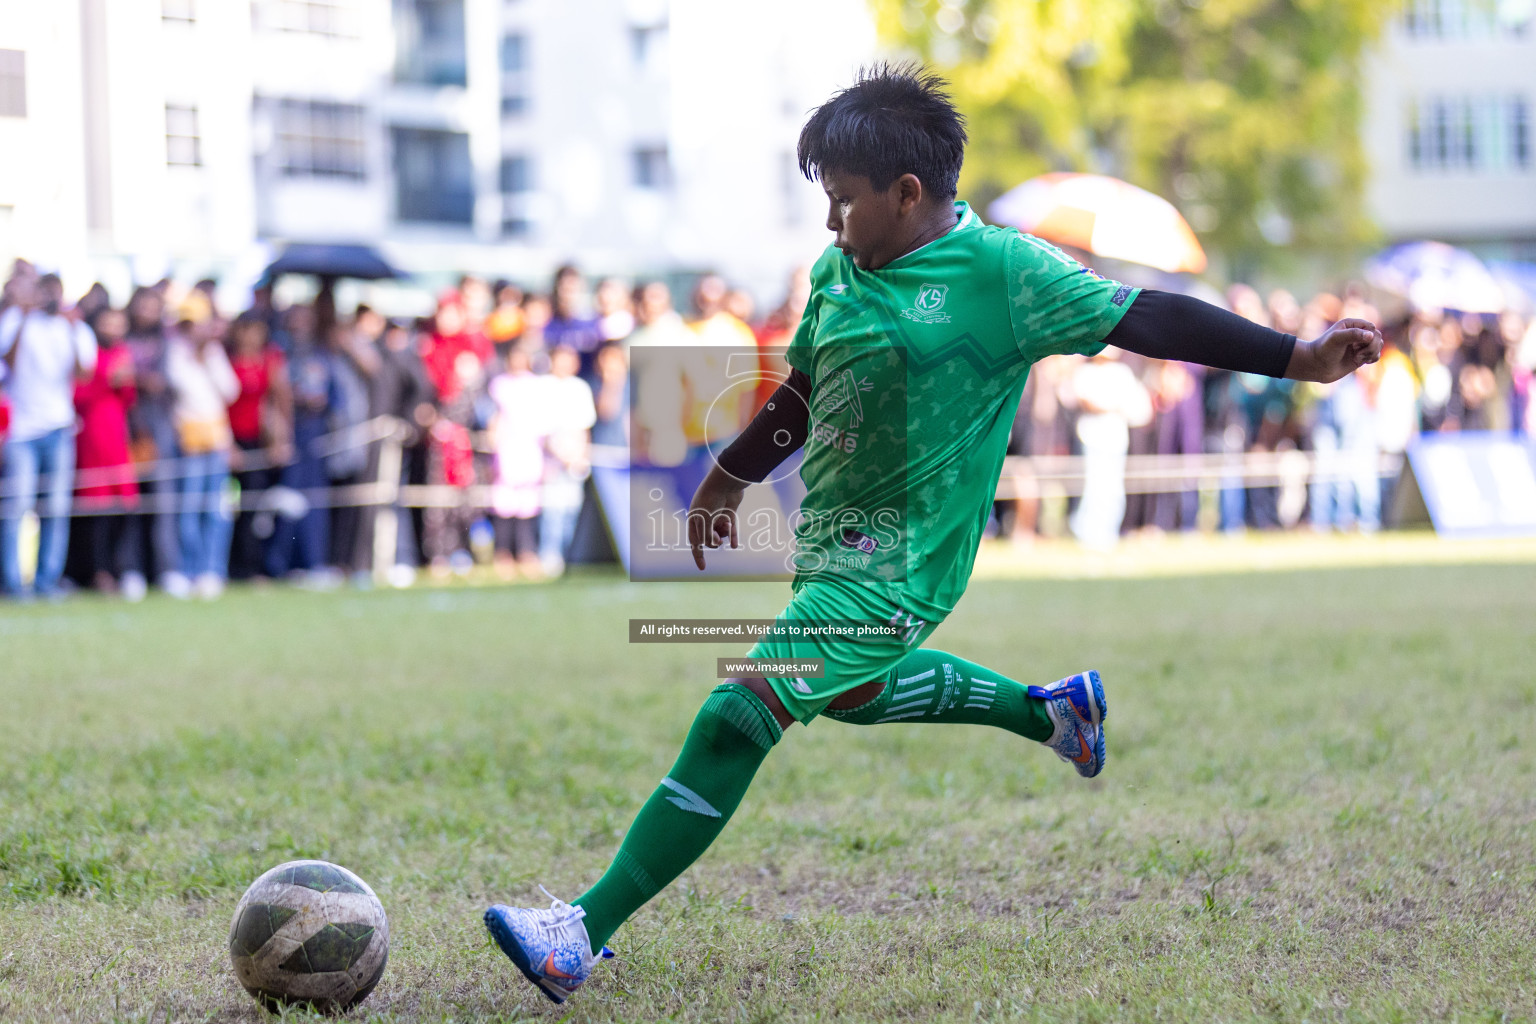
(1519, 281)
(333, 261)
(1433, 275)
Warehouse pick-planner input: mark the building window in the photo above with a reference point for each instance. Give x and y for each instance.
(516, 174)
(514, 105)
(648, 45)
(13, 83)
(178, 10)
(1478, 134)
(516, 227)
(183, 144)
(514, 53)
(434, 179)
(333, 18)
(317, 139)
(651, 169)
(429, 42)
(1466, 19)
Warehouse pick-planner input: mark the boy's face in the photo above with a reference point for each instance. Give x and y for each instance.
(869, 225)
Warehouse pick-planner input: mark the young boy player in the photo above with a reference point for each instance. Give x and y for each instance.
(907, 371)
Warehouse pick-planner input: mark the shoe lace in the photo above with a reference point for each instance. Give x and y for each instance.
(562, 916)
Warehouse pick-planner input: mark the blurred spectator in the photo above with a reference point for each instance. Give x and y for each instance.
(455, 358)
(505, 324)
(569, 325)
(536, 316)
(153, 441)
(1179, 400)
(739, 303)
(655, 350)
(44, 353)
(477, 300)
(517, 439)
(1345, 491)
(301, 537)
(204, 384)
(1397, 407)
(612, 398)
(775, 334)
(354, 360)
(569, 415)
(1111, 401)
(108, 486)
(260, 419)
(92, 302)
(398, 388)
(615, 311)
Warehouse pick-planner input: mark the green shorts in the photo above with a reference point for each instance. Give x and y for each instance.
(849, 663)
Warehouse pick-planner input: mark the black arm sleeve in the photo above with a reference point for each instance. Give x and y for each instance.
(777, 431)
(1163, 325)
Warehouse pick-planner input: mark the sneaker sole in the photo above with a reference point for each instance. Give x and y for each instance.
(509, 945)
(1102, 706)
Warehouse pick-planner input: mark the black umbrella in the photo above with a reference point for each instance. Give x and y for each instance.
(333, 261)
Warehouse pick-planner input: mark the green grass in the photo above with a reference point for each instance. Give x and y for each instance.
(1319, 804)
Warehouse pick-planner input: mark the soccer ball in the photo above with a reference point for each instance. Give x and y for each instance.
(309, 932)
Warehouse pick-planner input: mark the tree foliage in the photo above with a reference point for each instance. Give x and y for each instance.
(1244, 113)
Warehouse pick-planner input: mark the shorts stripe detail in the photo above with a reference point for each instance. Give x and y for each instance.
(914, 693)
(982, 706)
(903, 707)
(892, 718)
(983, 682)
(916, 678)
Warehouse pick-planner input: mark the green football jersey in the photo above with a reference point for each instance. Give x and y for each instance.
(917, 370)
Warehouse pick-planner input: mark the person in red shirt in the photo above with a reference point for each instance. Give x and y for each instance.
(106, 485)
(260, 421)
(455, 356)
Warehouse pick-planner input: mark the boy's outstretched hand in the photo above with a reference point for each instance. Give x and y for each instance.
(712, 516)
(1339, 352)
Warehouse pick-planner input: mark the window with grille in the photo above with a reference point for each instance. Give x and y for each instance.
(334, 18)
(183, 143)
(1477, 134)
(319, 139)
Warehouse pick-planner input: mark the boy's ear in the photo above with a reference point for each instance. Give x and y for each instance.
(909, 193)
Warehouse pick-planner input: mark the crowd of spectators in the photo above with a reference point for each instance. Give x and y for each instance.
(133, 432)
(1440, 372)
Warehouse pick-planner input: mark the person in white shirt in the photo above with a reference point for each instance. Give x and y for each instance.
(570, 414)
(44, 353)
(204, 383)
(1111, 401)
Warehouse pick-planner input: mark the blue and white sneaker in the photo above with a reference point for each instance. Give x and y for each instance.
(1077, 709)
(550, 947)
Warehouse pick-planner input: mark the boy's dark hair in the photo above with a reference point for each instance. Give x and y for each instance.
(896, 119)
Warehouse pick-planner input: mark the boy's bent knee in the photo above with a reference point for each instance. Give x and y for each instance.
(758, 687)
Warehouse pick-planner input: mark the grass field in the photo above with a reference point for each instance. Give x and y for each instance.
(1320, 804)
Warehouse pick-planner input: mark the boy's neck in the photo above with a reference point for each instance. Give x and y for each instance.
(935, 224)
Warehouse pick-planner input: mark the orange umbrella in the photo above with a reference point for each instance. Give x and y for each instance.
(1104, 216)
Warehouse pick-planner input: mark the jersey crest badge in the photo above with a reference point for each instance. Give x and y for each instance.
(928, 307)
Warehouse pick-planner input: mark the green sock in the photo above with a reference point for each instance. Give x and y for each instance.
(730, 737)
(935, 686)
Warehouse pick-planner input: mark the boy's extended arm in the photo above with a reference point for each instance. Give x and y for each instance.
(1163, 325)
(779, 428)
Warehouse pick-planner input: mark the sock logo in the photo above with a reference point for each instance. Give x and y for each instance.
(687, 799)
